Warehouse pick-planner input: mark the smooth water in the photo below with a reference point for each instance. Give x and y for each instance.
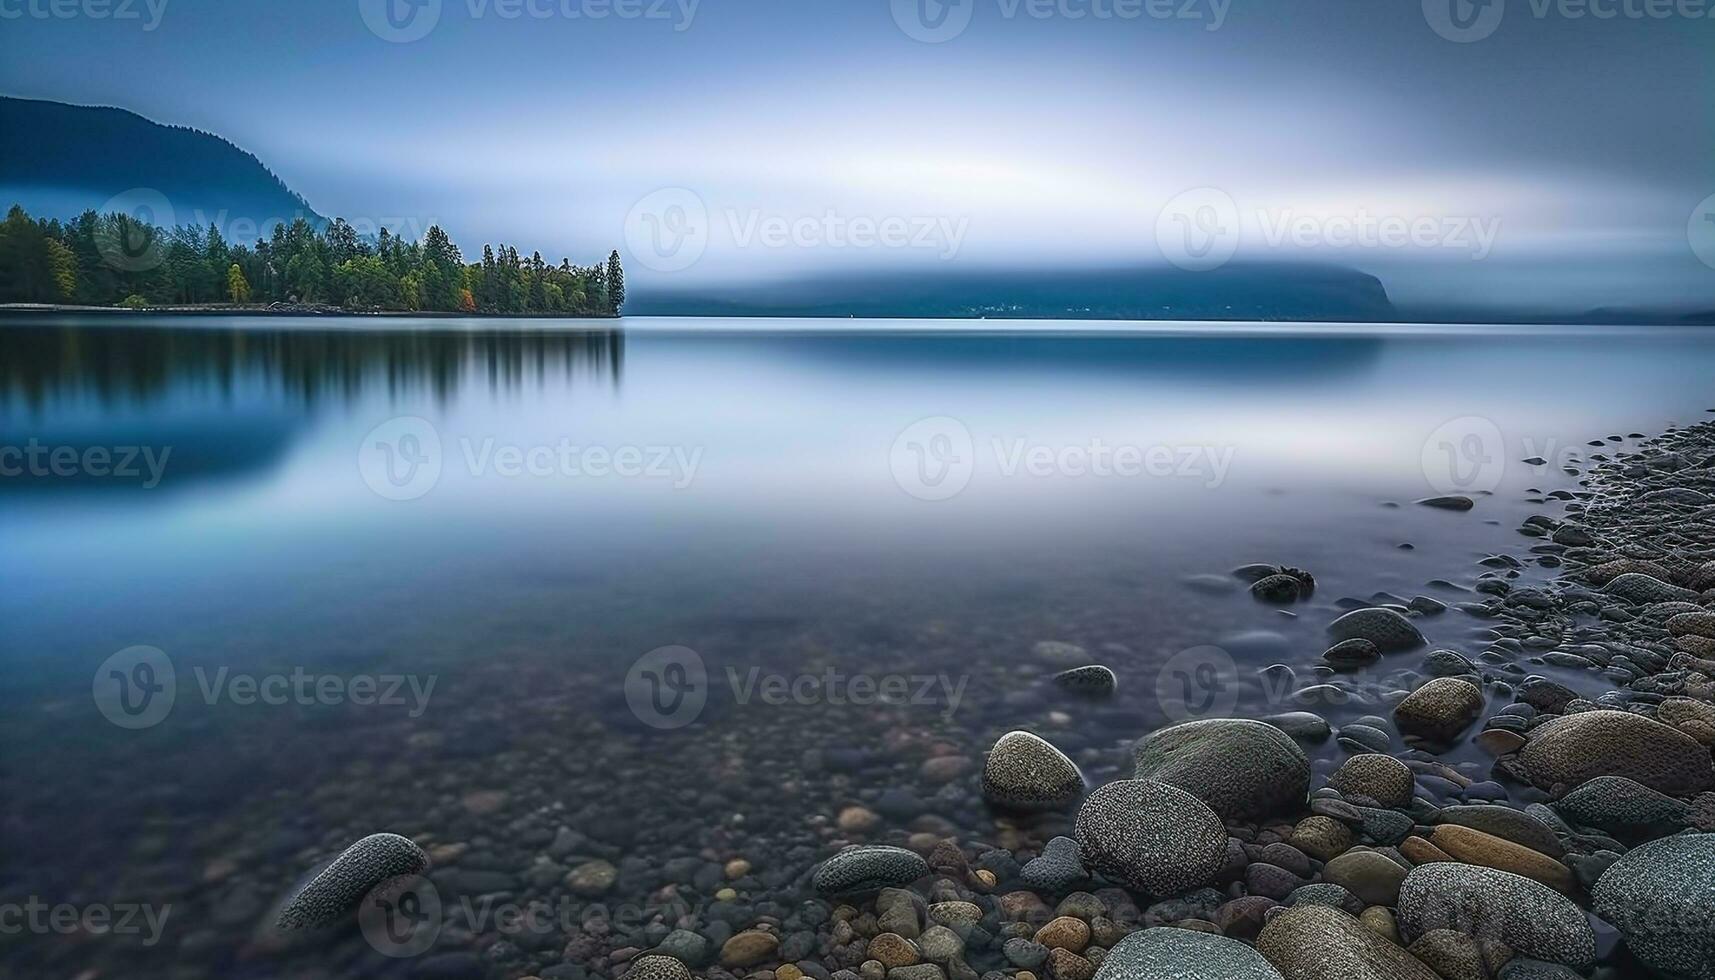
(860, 529)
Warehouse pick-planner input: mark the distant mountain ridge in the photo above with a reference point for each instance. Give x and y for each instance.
(61, 160)
(1233, 292)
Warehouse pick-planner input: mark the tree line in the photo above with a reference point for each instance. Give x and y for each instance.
(118, 260)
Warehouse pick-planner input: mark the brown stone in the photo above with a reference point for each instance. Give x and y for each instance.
(1065, 932)
(749, 948)
(1475, 847)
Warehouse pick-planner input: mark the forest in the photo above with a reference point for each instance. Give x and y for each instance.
(118, 260)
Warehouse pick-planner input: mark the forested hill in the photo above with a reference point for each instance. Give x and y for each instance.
(61, 160)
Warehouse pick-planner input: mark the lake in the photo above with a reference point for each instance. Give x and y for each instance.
(670, 592)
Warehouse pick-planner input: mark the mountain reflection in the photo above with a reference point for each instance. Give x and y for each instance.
(134, 363)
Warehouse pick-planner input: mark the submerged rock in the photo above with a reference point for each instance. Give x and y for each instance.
(1387, 629)
(1092, 680)
(869, 868)
(359, 869)
(1440, 710)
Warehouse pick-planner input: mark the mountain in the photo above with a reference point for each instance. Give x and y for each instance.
(61, 160)
(1232, 292)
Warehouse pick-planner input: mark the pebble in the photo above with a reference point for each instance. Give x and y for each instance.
(868, 868)
(335, 892)
(1025, 772)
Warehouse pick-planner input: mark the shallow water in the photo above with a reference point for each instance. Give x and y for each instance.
(820, 510)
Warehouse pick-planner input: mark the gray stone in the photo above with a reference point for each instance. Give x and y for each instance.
(1661, 896)
(652, 967)
(1440, 710)
(1024, 772)
(1240, 768)
(372, 861)
(1058, 868)
(1484, 903)
(1624, 808)
(1165, 953)
(1573, 749)
(869, 868)
(1387, 629)
(1091, 680)
(1151, 837)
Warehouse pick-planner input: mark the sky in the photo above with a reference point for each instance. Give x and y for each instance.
(1524, 152)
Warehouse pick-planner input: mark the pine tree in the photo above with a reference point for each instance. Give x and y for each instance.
(615, 284)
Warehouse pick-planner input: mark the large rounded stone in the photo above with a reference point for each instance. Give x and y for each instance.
(1388, 630)
(869, 868)
(1382, 778)
(1640, 589)
(1440, 709)
(1579, 747)
(1514, 825)
(1165, 953)
(1316, 942)
(1626, 809)
(1240, 768)
(1475, 847)
(1150, 836)
(1484, 903)
(370, 862)
(1373, 877)
(1024, 772)
(1661, 896)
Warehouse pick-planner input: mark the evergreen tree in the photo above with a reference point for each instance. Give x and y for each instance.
(615, 284)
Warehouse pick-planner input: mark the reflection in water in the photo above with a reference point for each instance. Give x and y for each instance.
(147, 362)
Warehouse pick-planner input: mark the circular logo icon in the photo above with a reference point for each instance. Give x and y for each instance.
(668, 230)
(1202, 682)
(400, 459)
(1464, 21)
(667, 687)
(1199, 229)
(933, 21)
(135, 688)
(1700, 231)
(132, 235)
(401, 917)
(400, 21)
(1465, 455)
(934, 458)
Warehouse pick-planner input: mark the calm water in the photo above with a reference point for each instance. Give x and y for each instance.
(515, 511)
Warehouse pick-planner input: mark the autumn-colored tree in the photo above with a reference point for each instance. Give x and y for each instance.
(237, 286)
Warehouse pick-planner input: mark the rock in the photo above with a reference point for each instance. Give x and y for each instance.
(360, 868)
(1057, 868)
(1456, 956)
(1351, 654)
(749, 948)
(1278, 588)
(1329, 894)
(1024, 772)
(1514, 825)
(857, 820)
(869, 868)
(1092, 680)
(1151, 837)
(1525, 968)
(1384, 826)
(1498, 742)
(685, 946)
(890, 949)
(1380, 921)
(1025, 954)
(1063, 964)
(955, 915)
(1626, 809)
(654, 967)
(1692, 624)
(1661, 896)
(1382, 778)
(1387, 629)
(1573, 749)
(1239, 768)
(1064, 932)
(1640, 589)
(1439, 710)
(1475, 847)
(1370, 876)
(1530, 917)
(1165, 953)
(1452, 502)
(896, 912)
(592, 879)
(1321, 837)
(1304, 726)
(922, 971)
(1315, 942)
